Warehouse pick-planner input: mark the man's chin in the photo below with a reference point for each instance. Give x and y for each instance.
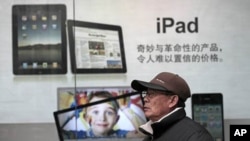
(147, 114)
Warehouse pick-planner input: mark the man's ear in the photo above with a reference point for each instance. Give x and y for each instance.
(174, 100)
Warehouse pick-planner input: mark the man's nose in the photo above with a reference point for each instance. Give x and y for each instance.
(145, 99)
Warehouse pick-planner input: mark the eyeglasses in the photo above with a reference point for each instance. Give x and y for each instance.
(154, 93)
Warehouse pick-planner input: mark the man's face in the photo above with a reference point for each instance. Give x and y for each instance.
(101, 117)
(157, 104)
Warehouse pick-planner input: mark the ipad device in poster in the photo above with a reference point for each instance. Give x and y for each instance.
(96, 47)
(39, 39)
(207, 109)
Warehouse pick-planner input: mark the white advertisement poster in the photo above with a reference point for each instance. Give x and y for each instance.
(205, 42)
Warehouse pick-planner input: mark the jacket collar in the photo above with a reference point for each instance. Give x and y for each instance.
(155, 128)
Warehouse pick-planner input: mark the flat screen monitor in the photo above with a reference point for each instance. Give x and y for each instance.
(103, 115)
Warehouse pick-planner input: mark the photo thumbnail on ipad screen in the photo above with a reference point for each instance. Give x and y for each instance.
(96, 48)
(116, 118)
(39, 39)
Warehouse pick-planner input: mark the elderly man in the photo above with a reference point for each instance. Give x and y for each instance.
(164, 103)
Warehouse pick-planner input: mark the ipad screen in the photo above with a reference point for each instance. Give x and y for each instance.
(96, 48)
(39, 40)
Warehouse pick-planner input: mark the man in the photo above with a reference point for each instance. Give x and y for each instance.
(164, 103)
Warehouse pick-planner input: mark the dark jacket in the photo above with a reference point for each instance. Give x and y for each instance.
(177, 127)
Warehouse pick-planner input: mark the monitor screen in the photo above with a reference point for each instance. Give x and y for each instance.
(99, 113)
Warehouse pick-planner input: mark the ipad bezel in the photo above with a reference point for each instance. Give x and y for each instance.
(99, 26)
(49, 70)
